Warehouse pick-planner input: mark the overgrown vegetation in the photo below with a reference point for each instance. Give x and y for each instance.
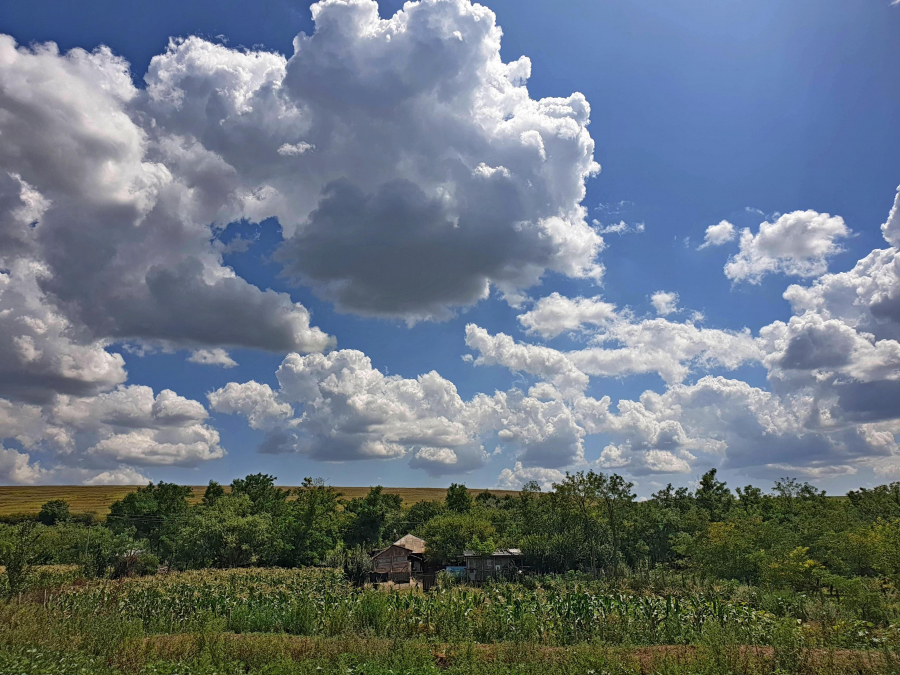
(687, 581)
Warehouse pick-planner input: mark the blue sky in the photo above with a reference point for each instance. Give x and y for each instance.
(700, 112)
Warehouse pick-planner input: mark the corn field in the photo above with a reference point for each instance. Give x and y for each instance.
(318, 602)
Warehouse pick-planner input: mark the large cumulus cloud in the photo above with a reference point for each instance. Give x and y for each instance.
(338, 407)
(101, 438)
(408, 167)
(407, 164)
(107, 234)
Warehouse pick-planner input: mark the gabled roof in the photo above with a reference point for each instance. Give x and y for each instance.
(380, 553)
(414, 544)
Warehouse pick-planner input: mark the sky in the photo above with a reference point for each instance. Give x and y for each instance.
(446, 242)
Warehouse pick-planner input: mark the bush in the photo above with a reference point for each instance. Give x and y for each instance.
(53, 512)
(134, 564)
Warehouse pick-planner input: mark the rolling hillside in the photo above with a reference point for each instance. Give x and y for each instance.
(21, 499)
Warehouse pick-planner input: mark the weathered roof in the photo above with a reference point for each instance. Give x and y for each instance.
(393, 547)
(500, 553)
(414, 544)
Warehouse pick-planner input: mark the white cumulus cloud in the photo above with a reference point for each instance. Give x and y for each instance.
(797, 244)
(212, 357)
(555, 314)
(664, 302)
(718, 234)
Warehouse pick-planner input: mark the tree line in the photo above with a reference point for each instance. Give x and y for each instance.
(793, 536)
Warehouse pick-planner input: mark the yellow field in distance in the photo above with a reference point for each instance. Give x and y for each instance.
(22, 499)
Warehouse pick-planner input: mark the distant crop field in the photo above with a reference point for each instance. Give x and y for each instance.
(21, 499)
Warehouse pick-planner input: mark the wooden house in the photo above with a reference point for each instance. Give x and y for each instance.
(416, 547)
(399, 561)
(504, 562)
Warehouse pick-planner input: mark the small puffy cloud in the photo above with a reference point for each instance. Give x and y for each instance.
(170, 447)
(663, 461)
(132, 426)
(823, 348)
(212, 357)
(867, 297)
(289, 150)
(618, 228)
(555, 314)
(443, 461)
(122, 476)
(664, 302)
(717, 235)
(543, 433)
(613, 457)
(257, 402)
(515, 478)
(549, 364)
(348, 410)
(797, 243)
(812, 472)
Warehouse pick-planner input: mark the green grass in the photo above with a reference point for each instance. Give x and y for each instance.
(27, 500)
(312, 622)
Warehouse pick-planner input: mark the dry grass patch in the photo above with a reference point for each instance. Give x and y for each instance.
(21, 499)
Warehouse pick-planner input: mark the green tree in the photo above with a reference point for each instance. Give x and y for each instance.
(447, 536)
(616, 497)
(481, 547)
(311, 525)
(53, 512)
(882, 501)
(598, 504)
(18, 550)
(713, 496)
(149, 511)
(575, 499)
(886, 536)
(750, 499)
(354, 561)
(227, 533)
(213, 492)
(370, 515)
(790, 497)
(486, 500)
(421, 512)
(104, 550)
(458, 498)
(260, 488)
(731, 550)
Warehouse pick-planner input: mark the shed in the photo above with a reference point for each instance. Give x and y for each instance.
(399, 561)
(502, 562)
(393, 560)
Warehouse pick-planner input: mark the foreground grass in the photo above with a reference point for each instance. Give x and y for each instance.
(27, 500)
(228, 654)
(287, 622)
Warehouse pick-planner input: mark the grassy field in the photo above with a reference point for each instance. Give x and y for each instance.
(19, 499)
(312, 622)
